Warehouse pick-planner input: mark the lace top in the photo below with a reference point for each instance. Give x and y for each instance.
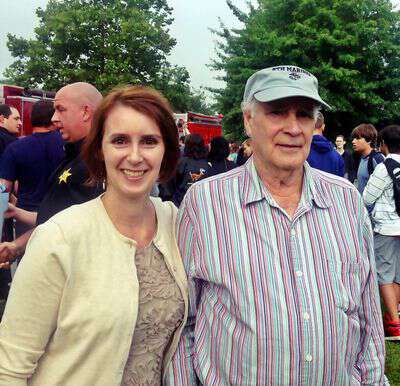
(161, 310)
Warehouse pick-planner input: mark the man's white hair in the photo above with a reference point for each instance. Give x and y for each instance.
(251, 106)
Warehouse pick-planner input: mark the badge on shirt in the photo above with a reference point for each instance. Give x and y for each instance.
(64, 176)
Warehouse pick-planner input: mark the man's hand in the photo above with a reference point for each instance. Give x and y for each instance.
(8, 253)
(11, 212)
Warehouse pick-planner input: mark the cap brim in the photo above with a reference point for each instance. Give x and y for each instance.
(275, 93)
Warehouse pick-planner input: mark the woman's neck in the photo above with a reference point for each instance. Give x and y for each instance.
(135, 219)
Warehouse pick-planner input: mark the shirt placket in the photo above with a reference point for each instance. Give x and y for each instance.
(304, 312)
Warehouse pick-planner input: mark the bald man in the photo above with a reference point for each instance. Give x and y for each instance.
(74, 107)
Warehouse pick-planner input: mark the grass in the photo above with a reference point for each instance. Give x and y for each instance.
(393, 363)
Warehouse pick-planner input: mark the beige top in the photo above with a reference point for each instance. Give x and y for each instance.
(71, 313)
(161, 310)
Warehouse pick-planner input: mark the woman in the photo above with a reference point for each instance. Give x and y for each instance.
(244, 152)
(217, 157)
(191, 167)
(100, 297)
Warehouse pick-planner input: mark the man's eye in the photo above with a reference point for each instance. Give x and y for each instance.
(305, 114)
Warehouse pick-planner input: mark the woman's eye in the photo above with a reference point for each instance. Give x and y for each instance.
(118, 140)
(150, 141)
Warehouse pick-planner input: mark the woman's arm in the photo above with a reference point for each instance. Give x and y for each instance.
(30, 317)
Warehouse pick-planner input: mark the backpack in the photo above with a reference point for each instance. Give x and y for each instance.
(393, 169)
(371, 158)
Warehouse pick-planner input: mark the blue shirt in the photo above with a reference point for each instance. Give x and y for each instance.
(363, 174)
(30, 161)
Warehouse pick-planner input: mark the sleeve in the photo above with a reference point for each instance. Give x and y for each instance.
(376, 185)
(8, 164)
(371, 355)
(30, 317)
(181, 370)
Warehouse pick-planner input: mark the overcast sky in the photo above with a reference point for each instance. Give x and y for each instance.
(193, 18)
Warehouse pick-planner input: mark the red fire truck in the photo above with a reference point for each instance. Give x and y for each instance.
(207, 126)
(23, 99)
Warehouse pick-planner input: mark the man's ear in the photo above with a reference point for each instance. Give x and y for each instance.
(247, 118)
(2, 117)
(87, 113)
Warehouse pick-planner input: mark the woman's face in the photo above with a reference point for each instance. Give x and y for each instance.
(247, 150)
(133, 150)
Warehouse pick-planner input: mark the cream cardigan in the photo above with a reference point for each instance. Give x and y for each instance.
(73, 304)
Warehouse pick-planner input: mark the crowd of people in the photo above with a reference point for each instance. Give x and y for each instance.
(268, 274)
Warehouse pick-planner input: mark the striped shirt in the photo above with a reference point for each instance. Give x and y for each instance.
(379, 193)
(277, 300)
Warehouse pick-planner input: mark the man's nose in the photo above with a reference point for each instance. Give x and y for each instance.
(293, 126)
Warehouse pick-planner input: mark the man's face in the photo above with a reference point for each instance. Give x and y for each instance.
(281, 132)
(339, 143)
(360, 145)
(69, 116)
(13, 123)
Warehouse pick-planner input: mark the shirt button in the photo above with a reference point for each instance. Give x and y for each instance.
(308, 358)
(306, 316)
(299, 273)
(293, 233)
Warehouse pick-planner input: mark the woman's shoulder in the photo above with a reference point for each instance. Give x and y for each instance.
(78, 216)
(165, 210)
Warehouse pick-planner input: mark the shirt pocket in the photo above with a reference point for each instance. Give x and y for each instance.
(345, 284)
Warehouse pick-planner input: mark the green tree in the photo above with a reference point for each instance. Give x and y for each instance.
(351, 46)
(104, 42)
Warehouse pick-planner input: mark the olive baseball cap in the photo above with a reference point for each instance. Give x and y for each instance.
(270, 84)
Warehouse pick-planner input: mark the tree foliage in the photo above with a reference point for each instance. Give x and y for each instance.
(104, 42)
(351, 46)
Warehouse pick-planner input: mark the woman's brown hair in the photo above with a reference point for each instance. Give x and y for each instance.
(147, 101)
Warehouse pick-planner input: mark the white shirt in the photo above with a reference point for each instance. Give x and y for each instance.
(379, 192)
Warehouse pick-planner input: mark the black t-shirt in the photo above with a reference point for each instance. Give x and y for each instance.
(218, 167)
(187, 168)
(67, 185)
(5, 139)
(31, 161)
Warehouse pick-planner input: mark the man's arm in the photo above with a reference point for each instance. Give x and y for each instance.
(376, 185)
(22, 215)
(181, 370)
(10, 250)
(371, 356)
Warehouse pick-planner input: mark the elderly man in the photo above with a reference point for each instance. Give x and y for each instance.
(279, 258)
(74, 107)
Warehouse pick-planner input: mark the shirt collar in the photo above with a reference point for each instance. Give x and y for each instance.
(254, 190)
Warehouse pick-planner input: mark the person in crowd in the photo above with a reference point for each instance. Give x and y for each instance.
(32, 159)
(364, 138)
(233, 151)
(100, 295)
(182, 145)
(279, 258)
(218, 157)
(191, 167)
(378, 194)
(74, 106)
(323, 155)
(349, 164)
(244, 153)
(10, 125)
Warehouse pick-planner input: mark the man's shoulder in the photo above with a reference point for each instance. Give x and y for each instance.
(220, 183)
(331, 181)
